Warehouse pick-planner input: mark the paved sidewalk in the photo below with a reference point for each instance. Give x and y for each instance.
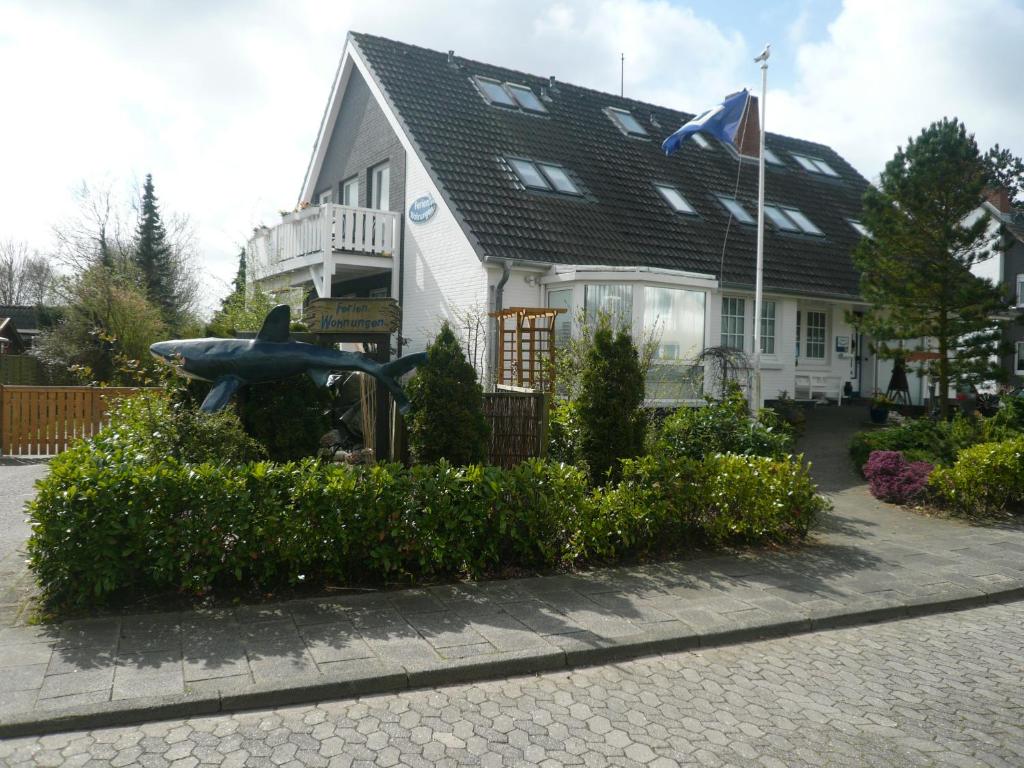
(870, 561)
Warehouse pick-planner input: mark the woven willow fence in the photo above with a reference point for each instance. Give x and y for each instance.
(519, 425)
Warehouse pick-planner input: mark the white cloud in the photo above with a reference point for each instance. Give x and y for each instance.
(888, 69)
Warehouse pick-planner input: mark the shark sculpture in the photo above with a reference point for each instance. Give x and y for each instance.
(231, 363)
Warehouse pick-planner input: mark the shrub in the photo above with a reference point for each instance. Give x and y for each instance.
(611, 394)
(287, 417)
(986, 479)
(148, 427)
(447, 420)
(892, 478)
(109, 524)
(564, 432)
(723, 427)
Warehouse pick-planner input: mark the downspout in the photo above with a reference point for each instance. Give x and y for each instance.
(499, 290)
(401, 282)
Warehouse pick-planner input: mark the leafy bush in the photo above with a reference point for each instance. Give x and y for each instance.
(564, 432)
(723, 427)
(937, 442)
(447, 420)
(287, 417)
(892, 478)
(109, 523)
(986, 479)
(611, 393)
(148, 427)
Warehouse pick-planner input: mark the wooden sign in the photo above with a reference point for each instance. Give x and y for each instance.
(352, 316)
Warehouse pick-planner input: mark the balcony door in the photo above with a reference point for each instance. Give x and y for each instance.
(380, 187)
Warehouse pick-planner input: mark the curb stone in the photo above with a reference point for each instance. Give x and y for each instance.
(378, 678)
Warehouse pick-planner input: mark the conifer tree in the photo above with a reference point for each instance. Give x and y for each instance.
(916, 264)
(611, 396)
(447, 420)
(153, 255)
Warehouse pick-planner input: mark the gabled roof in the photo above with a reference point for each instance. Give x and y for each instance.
(26, 317)
(621, 220)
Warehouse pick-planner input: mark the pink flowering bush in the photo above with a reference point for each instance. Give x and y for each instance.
(892, 478)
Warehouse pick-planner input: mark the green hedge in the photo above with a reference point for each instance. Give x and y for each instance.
(104, 528)
(986, 479)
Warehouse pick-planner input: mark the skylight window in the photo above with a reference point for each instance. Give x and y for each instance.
(626, 122)
(700, 141)
(780, 219)
(861, 229)
(738, 211)
(544, 176)
(806, 225)
(494, 91)
(771, 157)
(814, 165)
(525, 97)
(675, 199)
(529, 174)
(559, 179)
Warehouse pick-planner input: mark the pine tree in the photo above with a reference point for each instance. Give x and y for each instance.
(611, 396)
(916, 265)
(1006, 170)
(447, 419)
(153, 255)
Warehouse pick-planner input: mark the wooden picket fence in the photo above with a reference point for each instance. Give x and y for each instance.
(43, 421)
(519, 425)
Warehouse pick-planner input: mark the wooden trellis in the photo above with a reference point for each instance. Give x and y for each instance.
(526, 337)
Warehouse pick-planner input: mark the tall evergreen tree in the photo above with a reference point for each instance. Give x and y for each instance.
(916, 265)
(153, 255)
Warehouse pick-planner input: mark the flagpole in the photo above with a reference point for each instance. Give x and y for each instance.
(756, 399)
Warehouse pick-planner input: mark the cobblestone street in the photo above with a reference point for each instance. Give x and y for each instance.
(940, 690)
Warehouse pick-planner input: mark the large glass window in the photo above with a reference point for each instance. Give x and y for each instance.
(817, 332)
(768, 328)
(350, 192)
(380, 187)
(562, 299)
(1020, 290)
(613, 300)
(733, 315)
(675, 316)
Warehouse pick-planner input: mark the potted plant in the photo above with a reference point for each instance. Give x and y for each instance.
(879, 408)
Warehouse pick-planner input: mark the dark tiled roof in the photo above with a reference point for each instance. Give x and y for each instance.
(621, 221)
(25, 317)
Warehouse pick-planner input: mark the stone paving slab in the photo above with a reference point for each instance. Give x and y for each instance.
(869, 562)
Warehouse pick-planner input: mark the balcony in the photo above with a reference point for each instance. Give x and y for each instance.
(316, 242)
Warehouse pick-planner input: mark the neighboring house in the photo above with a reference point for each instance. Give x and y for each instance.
(457, 186)
(11, 341)
(25, 318)
(1006, 268)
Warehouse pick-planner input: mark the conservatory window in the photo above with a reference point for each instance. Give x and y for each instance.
(613, 300)
(733, 316)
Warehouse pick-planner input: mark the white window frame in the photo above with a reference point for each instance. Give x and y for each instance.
(823, 359)
(376, 174)
(734, 334)
(675, 199)
(1020, 290)
(768, 323)
(350, 183)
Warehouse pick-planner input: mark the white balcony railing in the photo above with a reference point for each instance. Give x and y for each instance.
(305, 233)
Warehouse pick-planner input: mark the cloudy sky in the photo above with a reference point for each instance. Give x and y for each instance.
(221, 100)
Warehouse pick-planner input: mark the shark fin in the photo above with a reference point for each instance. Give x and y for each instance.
(319, 375)
(220, 393)
(275, 324)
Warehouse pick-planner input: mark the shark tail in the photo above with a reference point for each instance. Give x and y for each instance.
(388, 374)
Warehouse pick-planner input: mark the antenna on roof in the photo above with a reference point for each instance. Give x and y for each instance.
(451, 57)
(622, 74)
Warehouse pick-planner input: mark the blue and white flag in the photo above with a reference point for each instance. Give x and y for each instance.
(721, 121)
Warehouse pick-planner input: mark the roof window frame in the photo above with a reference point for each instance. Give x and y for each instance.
(662, 188)
(511, 161)
(815, 165)
(790, 225)
(858, 227)
(543, 166)
(771, 158)
(512, 89)
(802, 220)
(746, 218)
(479, 82)
(551, 186)
(615, 114)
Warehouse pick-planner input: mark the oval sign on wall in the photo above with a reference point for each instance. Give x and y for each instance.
(422, 208)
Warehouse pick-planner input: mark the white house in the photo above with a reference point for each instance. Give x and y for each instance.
(459, 187)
